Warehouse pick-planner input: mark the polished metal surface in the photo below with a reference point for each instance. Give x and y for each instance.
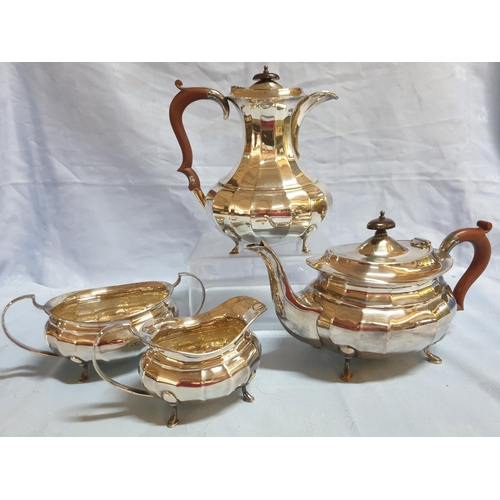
(76, 318)
(268, 196)
(369, 305)
(196, 358)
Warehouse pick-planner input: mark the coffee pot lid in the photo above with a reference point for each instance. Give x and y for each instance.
(265, 87)
(382, 260)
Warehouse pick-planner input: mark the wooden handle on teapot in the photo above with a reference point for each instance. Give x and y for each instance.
(482, 253)
(179, 103)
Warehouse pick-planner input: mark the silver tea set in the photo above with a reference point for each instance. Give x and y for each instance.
(377, 298)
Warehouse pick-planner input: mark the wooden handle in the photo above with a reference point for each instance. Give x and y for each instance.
(179, 103)
(482, 253)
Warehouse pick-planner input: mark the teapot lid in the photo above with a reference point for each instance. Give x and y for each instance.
(383, 260)
(265, 87)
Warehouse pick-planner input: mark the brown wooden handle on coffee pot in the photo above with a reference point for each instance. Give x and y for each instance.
(482, 253)
(179, 103)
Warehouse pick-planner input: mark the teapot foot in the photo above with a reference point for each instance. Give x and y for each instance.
(348, 353)
(173, 420)
(247, 397)
(432, 358)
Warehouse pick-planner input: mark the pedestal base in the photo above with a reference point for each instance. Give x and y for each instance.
(226, 276)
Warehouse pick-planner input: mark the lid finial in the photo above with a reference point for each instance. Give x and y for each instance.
(381, 224)
(265, 76)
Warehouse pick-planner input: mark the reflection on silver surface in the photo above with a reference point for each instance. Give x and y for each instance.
(76, 319)
(195, 358)
(387, 300)
(268, 196)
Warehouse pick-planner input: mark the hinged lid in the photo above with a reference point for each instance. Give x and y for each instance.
(383, 260)
(265, 87)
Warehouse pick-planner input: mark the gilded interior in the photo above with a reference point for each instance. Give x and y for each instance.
(201, 338)
(111, 303)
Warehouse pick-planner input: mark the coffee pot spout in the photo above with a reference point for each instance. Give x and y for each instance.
(307, 104)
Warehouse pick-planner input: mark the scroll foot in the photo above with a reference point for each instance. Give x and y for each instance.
(173, 420)
(304, 236)
(432, 358)
(232, 234)
(348, 353)
(85, 374)
(235, 250)
(247, 397)
(84, 364)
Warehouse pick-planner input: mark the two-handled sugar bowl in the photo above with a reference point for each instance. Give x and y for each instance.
(77, 318)
(193, 359)
(380, 297)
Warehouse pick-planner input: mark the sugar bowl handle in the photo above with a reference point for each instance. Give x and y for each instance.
(6, 331)
(203, 292)
(179, 103)
(100, 343)
(482, 253)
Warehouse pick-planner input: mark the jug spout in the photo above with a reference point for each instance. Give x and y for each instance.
(297, 316)
(304, 106)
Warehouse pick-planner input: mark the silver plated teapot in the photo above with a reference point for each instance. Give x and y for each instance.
(377, 298)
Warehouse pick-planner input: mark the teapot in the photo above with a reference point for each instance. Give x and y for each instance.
(196, 358)
(268, 196)
(76, 319)
(377, 298)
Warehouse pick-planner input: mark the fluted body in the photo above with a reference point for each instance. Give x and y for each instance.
(267, 196)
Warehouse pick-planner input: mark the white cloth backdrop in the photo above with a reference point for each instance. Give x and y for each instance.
(91, 196)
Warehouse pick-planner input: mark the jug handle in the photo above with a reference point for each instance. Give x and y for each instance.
(203, 291)
(6, 331)
(107, 378)
(179, 103)
(482, 253)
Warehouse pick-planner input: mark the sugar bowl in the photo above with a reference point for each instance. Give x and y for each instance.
(76, 318)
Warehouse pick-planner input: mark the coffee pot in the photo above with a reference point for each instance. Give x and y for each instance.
(268, 196)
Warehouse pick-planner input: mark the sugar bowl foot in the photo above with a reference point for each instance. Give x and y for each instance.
(247, 397)
(432, 358)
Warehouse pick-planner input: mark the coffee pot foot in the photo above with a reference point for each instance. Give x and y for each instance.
(432, 358)
(232, 234)
(304, 236)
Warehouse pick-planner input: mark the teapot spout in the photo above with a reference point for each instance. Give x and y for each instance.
(297, 316)
(304, 106)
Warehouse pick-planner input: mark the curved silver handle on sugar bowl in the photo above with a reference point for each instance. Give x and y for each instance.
(203, 292)
(9, 335)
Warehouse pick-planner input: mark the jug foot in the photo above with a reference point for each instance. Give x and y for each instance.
(348, 353)
(304, 236)
(247, 397)
(173, 420)
(432, 358)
